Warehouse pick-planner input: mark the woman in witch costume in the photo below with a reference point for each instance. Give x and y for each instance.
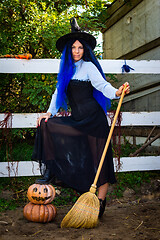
(70, 147)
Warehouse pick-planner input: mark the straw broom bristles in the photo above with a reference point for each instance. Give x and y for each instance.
(84, 213)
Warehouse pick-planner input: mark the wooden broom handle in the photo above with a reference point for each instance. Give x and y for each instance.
(109, 137)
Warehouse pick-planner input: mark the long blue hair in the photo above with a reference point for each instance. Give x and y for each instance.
(67, 70)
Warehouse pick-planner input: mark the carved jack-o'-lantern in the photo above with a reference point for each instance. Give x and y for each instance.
(41, 194)
(39, 213)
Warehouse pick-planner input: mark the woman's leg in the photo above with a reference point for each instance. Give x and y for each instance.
(102, 191)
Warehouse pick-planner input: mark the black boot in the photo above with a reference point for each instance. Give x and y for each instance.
(47, 178)
(102, 207)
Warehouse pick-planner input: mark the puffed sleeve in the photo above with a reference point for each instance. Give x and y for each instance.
(100, 83)
(52, 107)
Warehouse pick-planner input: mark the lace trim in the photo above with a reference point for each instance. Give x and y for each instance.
(78, 81)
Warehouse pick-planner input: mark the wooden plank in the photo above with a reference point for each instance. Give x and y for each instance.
(115, 13)
(148, 163)
(138, 131)
(23, 120)
(8, 65)
(29, 168)
(142, 49)
(138, 82)
(19, 169)
(52, 66)
(112, 8)
(140, 118)
(110, 11)
(142, 93)
(28, 120)
(141, 66)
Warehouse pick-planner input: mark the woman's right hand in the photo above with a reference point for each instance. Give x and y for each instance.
(46, 116)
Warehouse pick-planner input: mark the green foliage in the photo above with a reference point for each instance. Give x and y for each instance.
(21, 151)
(127, 148)
(68, 196)
(26, 92)
(33, 27)
(17, 188)
(7, 204)
(131, 180)
(38, 91)
(22, 133)
(17, 144)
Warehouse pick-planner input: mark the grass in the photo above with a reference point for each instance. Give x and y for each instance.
(17, 187)
(13, 193)
(131, 180)
(7, 204)
(21, 151)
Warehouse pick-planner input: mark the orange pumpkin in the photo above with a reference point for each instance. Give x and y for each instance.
(41, 194)
(39, 213)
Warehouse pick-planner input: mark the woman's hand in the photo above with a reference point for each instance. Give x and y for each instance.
(120, 90)
(45, 116)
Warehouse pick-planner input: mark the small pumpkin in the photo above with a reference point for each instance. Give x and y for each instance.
(39, 213)
(41, 194)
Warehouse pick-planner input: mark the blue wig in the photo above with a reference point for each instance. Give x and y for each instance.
(67, 70)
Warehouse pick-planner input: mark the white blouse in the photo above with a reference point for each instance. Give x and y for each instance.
(87, 71)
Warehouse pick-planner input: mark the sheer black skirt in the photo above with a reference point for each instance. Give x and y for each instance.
(72, 148)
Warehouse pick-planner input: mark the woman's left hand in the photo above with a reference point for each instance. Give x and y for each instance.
(120, 90)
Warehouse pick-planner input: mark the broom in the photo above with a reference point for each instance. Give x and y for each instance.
(84, 213)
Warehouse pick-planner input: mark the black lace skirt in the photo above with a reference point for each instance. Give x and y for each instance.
(72, 148)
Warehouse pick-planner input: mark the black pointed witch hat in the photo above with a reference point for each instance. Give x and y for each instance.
(76, 33)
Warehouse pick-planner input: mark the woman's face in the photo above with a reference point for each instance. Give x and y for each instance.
(77, 51)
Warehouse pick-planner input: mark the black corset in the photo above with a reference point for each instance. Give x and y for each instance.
(81, 100)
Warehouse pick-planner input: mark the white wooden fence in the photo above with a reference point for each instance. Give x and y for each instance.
(28, 120)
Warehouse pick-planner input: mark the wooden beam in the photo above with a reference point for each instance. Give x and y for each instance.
(19, 169)
(52, 66)
(140, 50)
(141, 93)
(110, 10)
(128, 164)
(148, 163)
(140, 119)
(138, 131)
(146, 144)
(117, 11)
(28, 120)
(9, 65)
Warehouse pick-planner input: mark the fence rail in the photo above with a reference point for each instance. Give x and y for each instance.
(52, 66)
(28, 120)
(128, 164)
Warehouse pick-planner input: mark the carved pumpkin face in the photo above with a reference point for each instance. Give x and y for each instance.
(39, 213)
(41, 194)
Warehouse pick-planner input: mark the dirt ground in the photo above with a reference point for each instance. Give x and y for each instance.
(131, 217)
